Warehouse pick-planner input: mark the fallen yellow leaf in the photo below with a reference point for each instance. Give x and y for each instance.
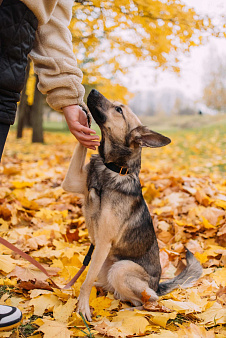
(215, 315)
(220, 276)
(63, 312)
(54, 329)
(100, 304)
(7, 264)
(44, 302)
(186, 307)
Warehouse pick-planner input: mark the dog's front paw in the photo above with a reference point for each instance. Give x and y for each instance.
(84, 309)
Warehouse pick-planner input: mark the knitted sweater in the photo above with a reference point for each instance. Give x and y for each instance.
(52, 54)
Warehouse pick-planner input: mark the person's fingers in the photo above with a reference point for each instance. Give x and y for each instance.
(87, 140)
(81, 128)
(86, 137)
(87, 130)
(89, 145)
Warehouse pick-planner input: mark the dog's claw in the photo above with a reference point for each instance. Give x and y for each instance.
(84, 309)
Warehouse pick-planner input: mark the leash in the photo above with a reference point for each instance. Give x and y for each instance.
(41, 268)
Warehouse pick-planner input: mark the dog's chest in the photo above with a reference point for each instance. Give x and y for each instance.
(108, 201)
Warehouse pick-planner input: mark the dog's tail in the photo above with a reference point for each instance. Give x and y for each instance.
(185, 279)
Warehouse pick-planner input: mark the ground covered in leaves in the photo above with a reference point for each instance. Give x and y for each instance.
(184, 185)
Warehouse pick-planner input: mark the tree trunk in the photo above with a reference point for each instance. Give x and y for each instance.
(23, 110)
(37, 116)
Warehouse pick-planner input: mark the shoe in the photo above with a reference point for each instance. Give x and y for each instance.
(10, 317)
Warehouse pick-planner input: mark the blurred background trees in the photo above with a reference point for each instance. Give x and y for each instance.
(214, 78)
(110, 37)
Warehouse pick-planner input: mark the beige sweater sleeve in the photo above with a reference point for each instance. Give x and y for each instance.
(53, 57)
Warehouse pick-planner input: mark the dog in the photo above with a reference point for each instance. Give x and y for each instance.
(125, 260)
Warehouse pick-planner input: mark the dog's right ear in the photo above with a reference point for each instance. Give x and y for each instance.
(145, 137)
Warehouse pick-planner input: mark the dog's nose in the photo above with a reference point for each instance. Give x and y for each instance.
(94, 92)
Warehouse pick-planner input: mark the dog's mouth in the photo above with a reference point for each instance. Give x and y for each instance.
(97, 105)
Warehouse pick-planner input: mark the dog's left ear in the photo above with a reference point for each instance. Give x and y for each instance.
(148, 138)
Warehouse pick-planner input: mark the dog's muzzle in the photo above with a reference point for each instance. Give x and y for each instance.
(97, 105)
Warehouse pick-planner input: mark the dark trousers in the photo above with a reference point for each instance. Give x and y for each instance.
(17, 34)
(4, 129)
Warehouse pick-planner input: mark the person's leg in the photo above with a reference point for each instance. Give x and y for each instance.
(4, 129)
(17, 35)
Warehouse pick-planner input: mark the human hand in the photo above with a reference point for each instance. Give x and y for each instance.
(77, 122)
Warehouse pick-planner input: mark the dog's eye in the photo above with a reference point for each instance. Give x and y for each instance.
(118, 109)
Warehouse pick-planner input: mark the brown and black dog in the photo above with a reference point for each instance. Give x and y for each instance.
(126, 255)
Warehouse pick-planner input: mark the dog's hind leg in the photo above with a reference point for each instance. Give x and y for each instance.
(130, 282)
(102, 278)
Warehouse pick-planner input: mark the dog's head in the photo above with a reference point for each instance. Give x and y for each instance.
(122, 132)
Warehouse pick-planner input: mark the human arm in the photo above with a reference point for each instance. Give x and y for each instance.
(56, 66)
(54, 61)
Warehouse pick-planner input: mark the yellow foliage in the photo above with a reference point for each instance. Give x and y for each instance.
(39, 218)
(109, 37)
(220, 276)
(63, 312)
(44, 302)
(54, 329)
(100, 305)
(30, 85)
(7, 264)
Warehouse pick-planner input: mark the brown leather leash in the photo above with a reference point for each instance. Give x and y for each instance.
(41, 268)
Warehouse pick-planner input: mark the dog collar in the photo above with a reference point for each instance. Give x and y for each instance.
(117, 169)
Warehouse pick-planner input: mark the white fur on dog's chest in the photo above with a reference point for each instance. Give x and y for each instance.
(101, 219)
(92, 195)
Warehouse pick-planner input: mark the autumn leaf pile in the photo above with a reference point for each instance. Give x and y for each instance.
(184, 185)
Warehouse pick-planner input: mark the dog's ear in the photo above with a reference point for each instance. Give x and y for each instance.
(145, 137)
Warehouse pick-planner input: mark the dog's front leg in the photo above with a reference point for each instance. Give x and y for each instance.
(75, 179)
(100, 254)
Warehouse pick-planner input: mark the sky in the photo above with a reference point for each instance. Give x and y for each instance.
(192, 67)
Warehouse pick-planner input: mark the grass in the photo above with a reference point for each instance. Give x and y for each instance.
(6, 289)
(183, 122)
(157, 123)
(198, 142)
(26, 330)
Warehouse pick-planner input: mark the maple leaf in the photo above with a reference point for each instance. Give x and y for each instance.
(221, 295)
(54, 329)
(155, 307)
(161, 318)
(216, 314)
(32, 273)
(35, 242)
(44, 302)
(212, 215)
(63, 312)
(195, 331)
(220, 276)
(34, 285)
(186, 307)
(7, 264)
(126, 323)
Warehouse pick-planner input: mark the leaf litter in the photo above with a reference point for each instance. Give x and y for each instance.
(187, 202)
